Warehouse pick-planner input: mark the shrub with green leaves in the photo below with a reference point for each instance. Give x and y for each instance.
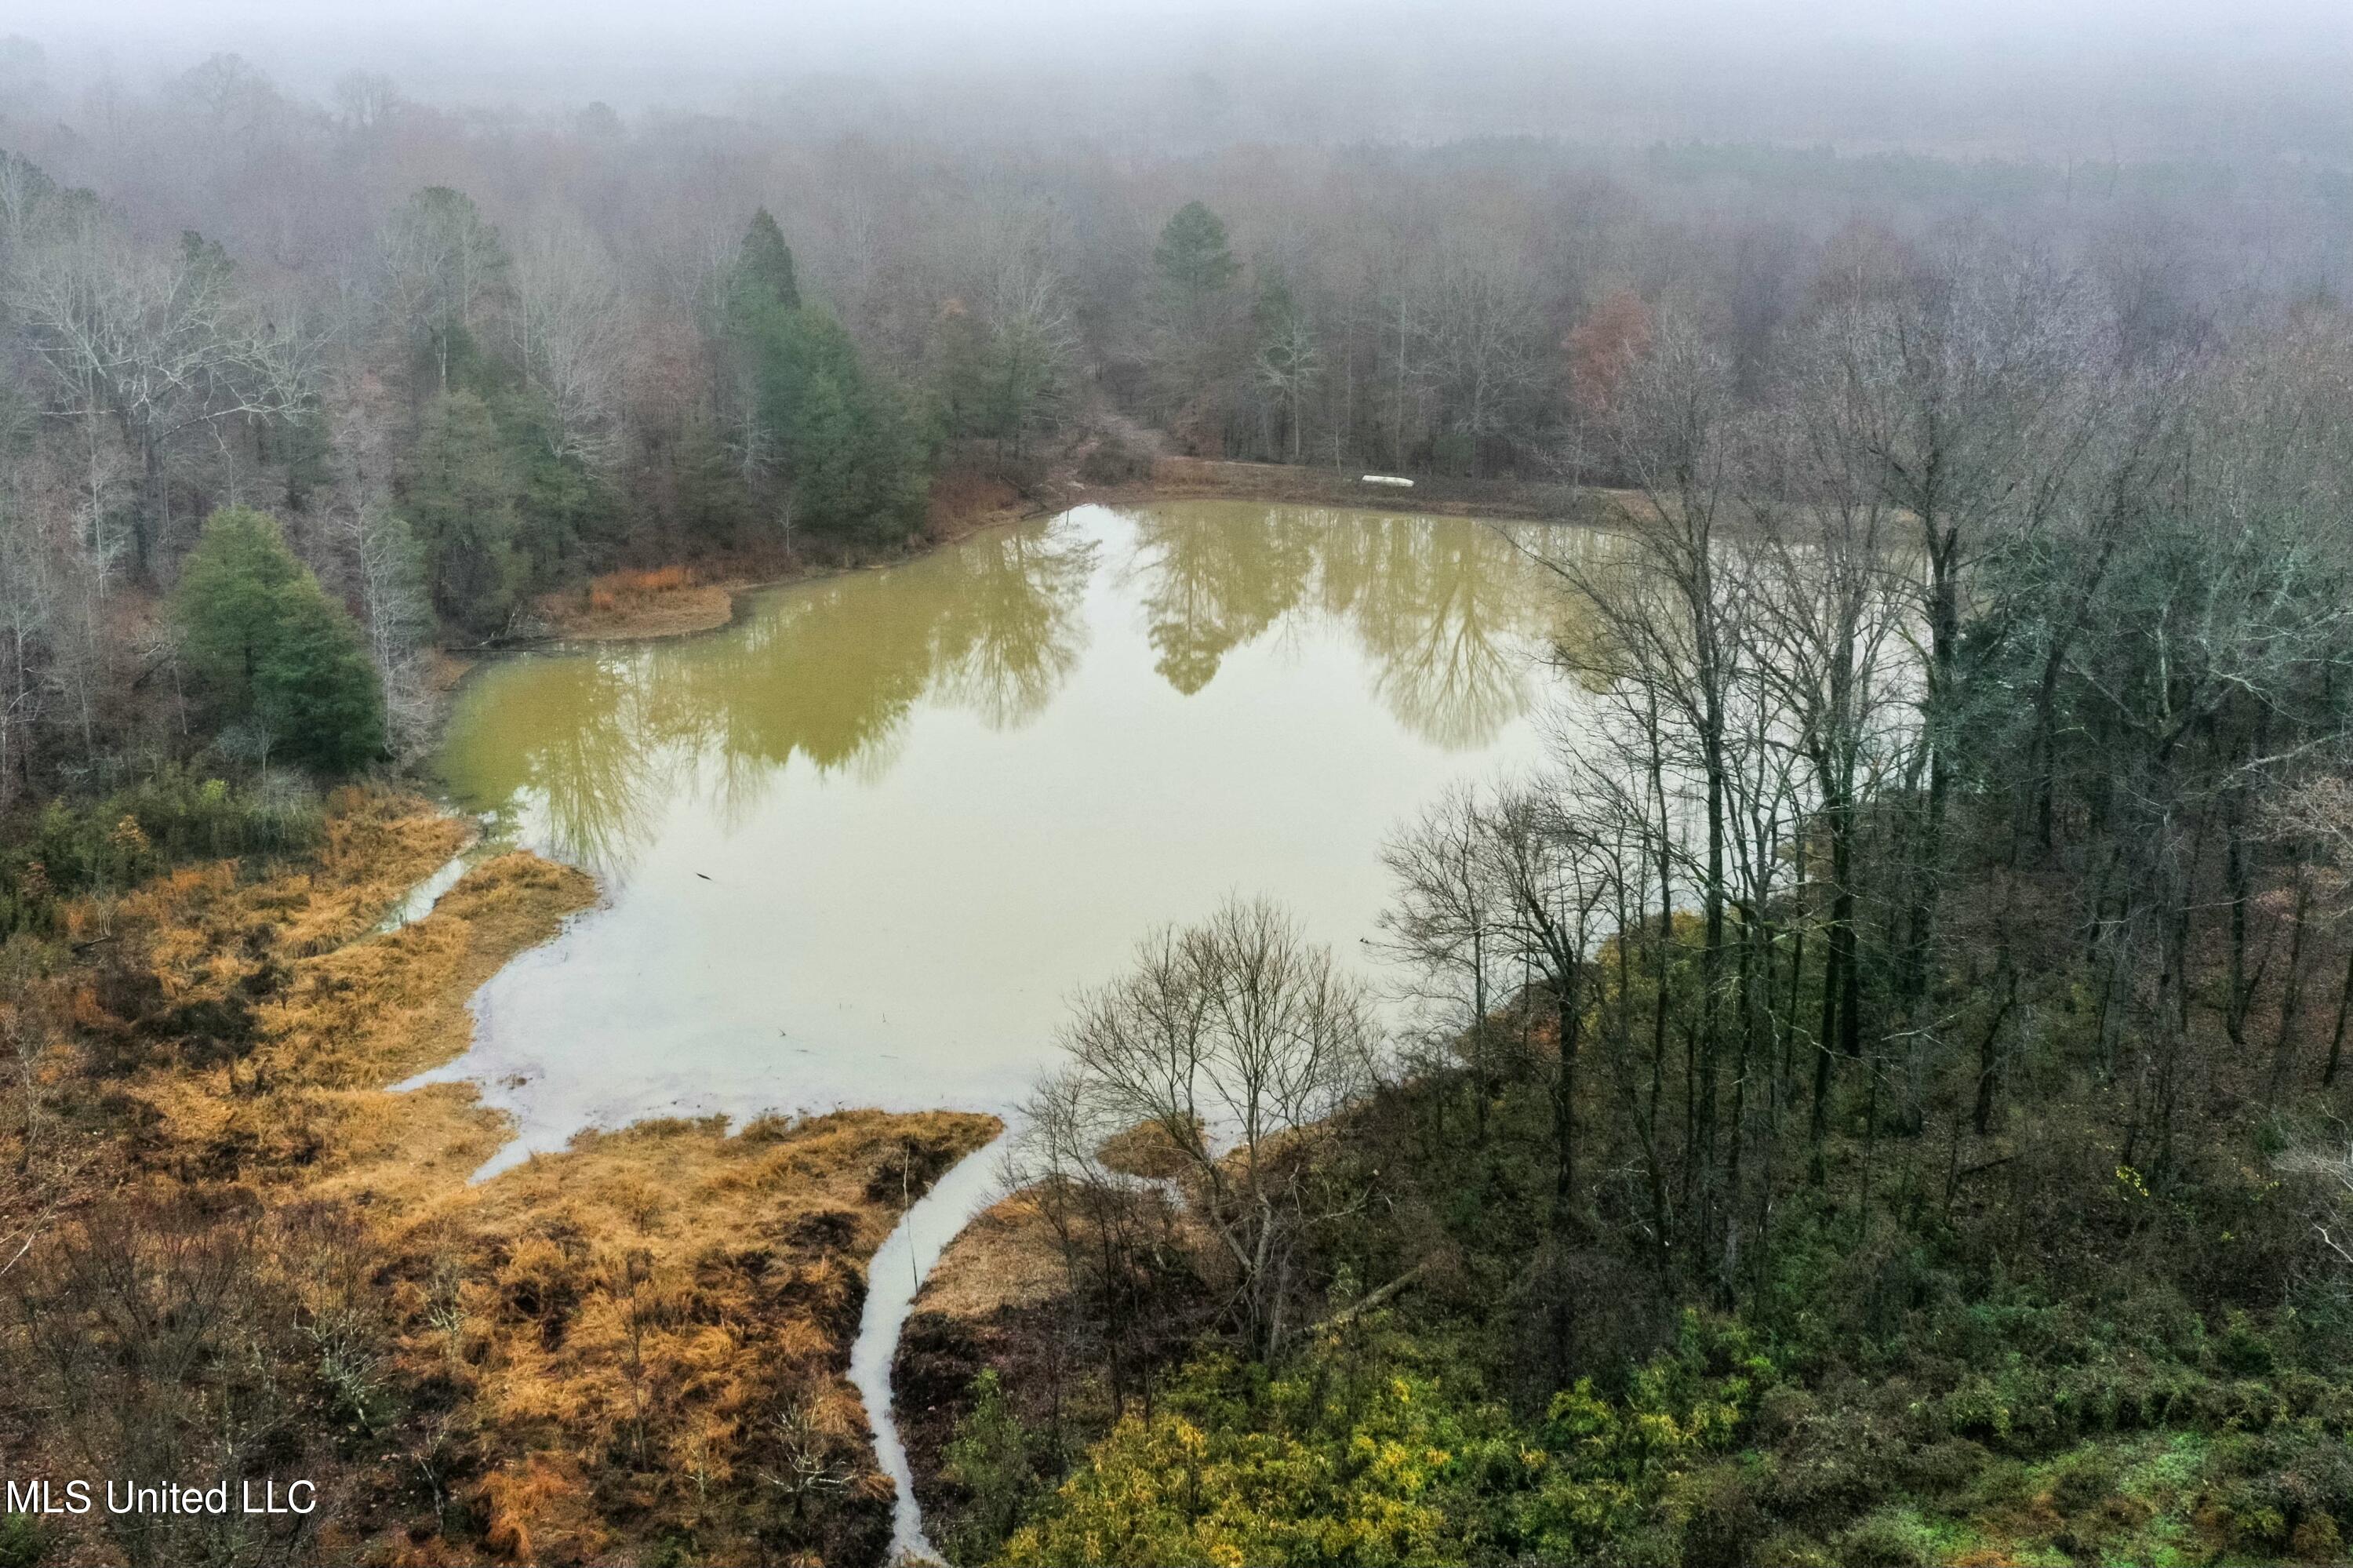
(993, 1460)
(1365, 1451)
(173, 815)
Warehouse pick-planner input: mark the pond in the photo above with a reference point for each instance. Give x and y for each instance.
(862, 847)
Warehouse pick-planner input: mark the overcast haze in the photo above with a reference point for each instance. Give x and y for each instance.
(2092, 79)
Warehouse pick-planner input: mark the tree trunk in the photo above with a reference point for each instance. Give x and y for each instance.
(2336, 1037)
(1990, 1048)
(1565, 1024)
(2292, 995)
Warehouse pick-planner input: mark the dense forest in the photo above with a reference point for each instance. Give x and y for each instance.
(1880, 1097)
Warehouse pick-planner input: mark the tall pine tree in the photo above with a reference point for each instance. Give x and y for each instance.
(850, 450)
(837, 451)
(272, 648)
(461, 498)
(763, 279)
(1193, 326)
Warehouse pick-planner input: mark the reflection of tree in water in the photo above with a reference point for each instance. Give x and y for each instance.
(1011, 634)
(573, 733)
(607, 779)
(1214, 579)
(827, 673)
(831, 671)
(1444, 610)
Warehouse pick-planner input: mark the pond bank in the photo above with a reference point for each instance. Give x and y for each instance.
(1193, 479)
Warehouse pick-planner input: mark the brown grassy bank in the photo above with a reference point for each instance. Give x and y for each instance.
(662, 601)
(636, 1346)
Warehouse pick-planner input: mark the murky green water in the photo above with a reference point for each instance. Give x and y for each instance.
(861, 848)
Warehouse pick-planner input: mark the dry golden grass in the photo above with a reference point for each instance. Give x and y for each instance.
(377, 847)
(663, 602)
(643, 1334)
(615, 586)
(1007, 1257)
(637, 1319)
(1145, 1149)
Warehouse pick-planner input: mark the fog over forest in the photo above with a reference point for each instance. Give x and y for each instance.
(2084, 81)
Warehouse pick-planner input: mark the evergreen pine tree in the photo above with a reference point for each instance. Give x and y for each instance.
(848, 449)
(229, 600)
(315, 686)
(1192, 259)
(763, 279)
(461, 499)
(271, 645)
(1192, 350)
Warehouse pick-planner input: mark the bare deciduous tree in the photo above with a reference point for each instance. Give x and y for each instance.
(163, 345)
(1442, 929)
(1228, 1041)
(570, 324)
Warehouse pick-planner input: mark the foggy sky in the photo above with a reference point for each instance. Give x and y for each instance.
(2077, 78)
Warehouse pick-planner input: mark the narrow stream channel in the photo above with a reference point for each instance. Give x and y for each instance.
(894, 1279)
(418, 901)
(487, 837)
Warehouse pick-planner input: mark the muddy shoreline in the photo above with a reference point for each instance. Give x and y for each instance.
(1211, 479)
